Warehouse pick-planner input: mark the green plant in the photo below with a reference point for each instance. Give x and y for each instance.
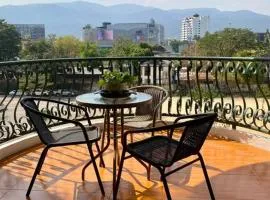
(115, 80)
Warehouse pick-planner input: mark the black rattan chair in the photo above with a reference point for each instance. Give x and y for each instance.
(78, 134)
(163, 151)
(147, 115)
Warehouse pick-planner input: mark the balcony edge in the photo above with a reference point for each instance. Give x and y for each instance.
(19, 144)
(257, 140)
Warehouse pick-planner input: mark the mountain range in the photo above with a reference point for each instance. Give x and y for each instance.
(69, 18)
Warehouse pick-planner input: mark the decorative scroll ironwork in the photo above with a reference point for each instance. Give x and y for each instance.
(238, 89)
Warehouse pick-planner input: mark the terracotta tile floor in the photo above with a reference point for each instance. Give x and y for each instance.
(237, 171)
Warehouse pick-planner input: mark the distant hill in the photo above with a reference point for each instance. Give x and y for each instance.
(69, 18)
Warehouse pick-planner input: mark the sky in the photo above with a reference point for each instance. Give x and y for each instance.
(259, 6)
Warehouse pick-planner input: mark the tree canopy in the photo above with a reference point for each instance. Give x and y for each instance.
(67, 47)
(9, 41)
(89, 49)
(41, 49)
(227, 43)
(125, 47)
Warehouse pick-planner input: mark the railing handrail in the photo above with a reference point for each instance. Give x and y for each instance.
(6, 63)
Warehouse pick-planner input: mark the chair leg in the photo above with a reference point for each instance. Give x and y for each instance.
(163, 178)
(43, 156)
(37, 170)
(84, 168)
(95, 168)
(119, 174)
(148, 168)
(206, 177)
(101, 163)
(101, 157)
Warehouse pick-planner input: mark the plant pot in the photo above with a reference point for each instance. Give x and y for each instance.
(115, 94)
(115, 87)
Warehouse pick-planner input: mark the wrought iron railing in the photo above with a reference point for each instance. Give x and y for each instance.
(236, 88)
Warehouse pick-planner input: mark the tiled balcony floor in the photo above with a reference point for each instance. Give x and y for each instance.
(237, 171)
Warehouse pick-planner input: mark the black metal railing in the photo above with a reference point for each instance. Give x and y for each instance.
(236, 88)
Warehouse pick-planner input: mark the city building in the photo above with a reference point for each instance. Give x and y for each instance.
(194, 27)
(102, 35)
(31, 31)
(151, 33)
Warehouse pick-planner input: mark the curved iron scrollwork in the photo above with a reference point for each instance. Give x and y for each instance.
(238, 89)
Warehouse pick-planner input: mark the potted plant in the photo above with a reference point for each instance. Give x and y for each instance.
(116, 82)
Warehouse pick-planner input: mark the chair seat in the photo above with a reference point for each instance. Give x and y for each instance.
(158, 150)
(74, 135)
(138, 121)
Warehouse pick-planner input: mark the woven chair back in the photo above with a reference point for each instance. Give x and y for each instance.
(37, 120)
(158, 94)
(194, 136)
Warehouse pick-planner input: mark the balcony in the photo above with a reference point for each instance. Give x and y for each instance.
(237, 153)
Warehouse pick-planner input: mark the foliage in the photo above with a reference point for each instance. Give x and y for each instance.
(30, 82)
(159, 48)
(88, 26)
(67, 47)
(9, 41)
(190, 50)
(264, 46)
(125, 47)
(37, 50)
(247, 53)
(265, 90)
(88, 49)
(116, 80)
(62, 47)
(148, 49)
(175, 45)
(204, 93)
(103, 52)
(227, 42)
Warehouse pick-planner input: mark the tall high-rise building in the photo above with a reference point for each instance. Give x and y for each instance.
(194, 27)
(31, 31)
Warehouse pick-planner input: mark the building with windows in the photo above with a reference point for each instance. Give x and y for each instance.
(194, 27)
(102, 35)
(151, 33)
(31, 31)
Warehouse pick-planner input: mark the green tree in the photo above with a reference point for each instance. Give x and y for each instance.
(37, 50)
(266, 44)
(51, 38)
(103, 52)
(88, 49)
(148, 49)
(67, 47)
(9, 41)
(227, 42)
(175, 45)
(190, 50)
(125, 47)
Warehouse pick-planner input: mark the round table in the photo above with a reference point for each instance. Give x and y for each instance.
(95, 100)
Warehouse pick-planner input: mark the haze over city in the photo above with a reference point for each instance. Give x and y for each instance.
(229, 5)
